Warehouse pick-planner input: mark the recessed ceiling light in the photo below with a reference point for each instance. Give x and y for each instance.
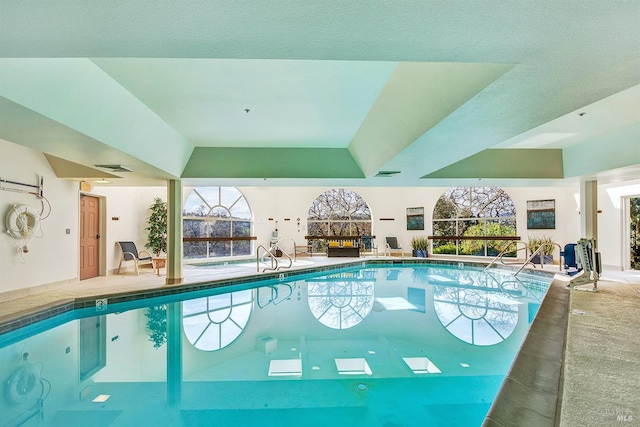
(102, 181)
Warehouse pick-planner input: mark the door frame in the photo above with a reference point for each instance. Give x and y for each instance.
(102, 227)
(626, 231)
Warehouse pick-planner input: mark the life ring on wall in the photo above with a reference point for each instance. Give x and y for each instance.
(22, 383)
(21, 221)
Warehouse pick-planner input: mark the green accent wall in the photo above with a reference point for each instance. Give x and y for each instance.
(212, 162)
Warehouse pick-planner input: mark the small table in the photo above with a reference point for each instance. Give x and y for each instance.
(158, 263)
(340, 251)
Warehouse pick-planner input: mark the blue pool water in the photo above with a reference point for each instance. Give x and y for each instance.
(413, 345)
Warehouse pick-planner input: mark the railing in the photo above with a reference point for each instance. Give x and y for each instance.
(218, 239)
(514, 238)
(285, 239)
(540, 253)
(271, 254)
(274, 296)
(206, 250)
(457, 239)
(507, 250)
(274, 261)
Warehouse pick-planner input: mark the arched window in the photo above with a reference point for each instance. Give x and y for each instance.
(473, 212)
(216, 212)
(214, 322)
(338, 212)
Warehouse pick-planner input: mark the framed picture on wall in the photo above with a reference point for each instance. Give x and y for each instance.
(541, 214)
(415, 218)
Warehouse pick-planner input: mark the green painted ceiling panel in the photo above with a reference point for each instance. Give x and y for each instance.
(506, 163)
(211, 162)
(618, 149)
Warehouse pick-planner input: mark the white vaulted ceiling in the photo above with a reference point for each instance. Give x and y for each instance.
(325, 92)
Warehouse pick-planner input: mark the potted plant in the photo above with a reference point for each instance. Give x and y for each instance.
(157, 227)
(420, 246)
(547, 251)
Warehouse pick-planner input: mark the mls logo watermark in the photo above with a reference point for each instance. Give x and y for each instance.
(619, 414)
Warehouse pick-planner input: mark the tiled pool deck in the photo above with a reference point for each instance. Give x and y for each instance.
(589, 378)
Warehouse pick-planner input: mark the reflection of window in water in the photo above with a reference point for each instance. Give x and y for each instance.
(214, 322)
(340, 302)
(479, 316)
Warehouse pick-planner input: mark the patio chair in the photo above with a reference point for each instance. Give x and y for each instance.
(392, 245)
(130, 253)
(368, 245)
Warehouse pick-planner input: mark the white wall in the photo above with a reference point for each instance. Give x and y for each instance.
(567, 216)
(293, 203)
(54, 256)
(126, 217)
(286, 204)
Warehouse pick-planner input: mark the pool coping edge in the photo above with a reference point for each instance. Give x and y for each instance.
(527, 396)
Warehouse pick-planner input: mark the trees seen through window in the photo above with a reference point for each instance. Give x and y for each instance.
(473, 211)
(338, 212)
(216, 212)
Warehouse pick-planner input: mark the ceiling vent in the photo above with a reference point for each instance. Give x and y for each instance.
(387, 173)
(114, 168)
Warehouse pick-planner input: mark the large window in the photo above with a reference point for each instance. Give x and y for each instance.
(473, 212)
(634, 232)
(338, 212)
(216, 212)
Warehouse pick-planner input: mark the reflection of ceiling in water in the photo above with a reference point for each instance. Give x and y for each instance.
(481, 316)
(341, 301)
(214, 322)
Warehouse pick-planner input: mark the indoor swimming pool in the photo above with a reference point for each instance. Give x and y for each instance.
(377, 345)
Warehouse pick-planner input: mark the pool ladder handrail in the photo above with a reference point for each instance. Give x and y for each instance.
(528, 260)
(274, 298)
(505, 251)
(284, 239)
(270, 253)
(537, 252)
